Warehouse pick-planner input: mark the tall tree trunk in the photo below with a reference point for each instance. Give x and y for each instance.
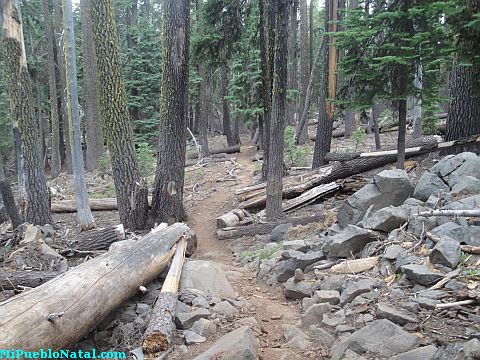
(20, 164)
(463, 119)
(130, 188)
(93, 117)
(132, 21)
(402, 129)
(275, 161)
(55, 160)
(377, 109)
(292, 54)
(84, 215)
(167, 202)
(8, 200)
(267, 49)
(227, 124)
(19, 88)
(63, 83)
(201, 122)
(327, 89)
(417, 104)
(302, 122)
(304, 68)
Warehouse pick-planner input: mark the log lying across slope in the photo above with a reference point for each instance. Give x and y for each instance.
(228, 150)
(159, 334)
(10, 280)
(296, 185)
(259, 229)
(65, 309)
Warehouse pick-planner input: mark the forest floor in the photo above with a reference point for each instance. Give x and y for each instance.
(209, 193)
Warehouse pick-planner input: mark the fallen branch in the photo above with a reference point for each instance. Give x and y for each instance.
(446, 212)
(469, 249)
(455, 304)
(99, 239)
(11, 280)
(259, 229)
(355, 266)
(158, 336)
(228, 150)
(86, 294)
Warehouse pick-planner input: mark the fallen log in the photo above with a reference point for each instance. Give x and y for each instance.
(11, 280)
(259, 229)
(295, 185)
(231, 219)
(412, 146)
(63, 310)
(158, 336)
(228, 150)
(469, 249)
(448, 212)
(99, 239)
(306, 198)
(70, 206)
(355, 266)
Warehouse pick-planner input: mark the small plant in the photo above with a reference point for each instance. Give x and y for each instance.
(294, 155)
(146, 159)
(358, 136)
(473, 272)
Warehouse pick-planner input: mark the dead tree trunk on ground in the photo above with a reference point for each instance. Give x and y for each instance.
(62, 311)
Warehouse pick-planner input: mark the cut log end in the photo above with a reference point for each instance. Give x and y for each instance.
(155, 343)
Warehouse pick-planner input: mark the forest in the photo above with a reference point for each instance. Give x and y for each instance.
(174, 127)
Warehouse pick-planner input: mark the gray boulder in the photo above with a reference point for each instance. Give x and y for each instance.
(354, 289)
(350, 241)
(429, 184)
(192, 337)
(293, 260)
(446, 252)
(387, 219)
(280, 232)
(314, 314)
(224, 308)
(471, 350)
(390, 187)
(204, 328)
(207, 277)
(297, 290)
(465, 185)
(399, 317)
(421, 274)
(379, 338)
(422, 353)
(298, 245)
(236, 345)
(465, 163)
(186, 320)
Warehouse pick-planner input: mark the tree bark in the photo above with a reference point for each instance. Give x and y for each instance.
(8, 201)
(63, 83)
(377, 110)
(58, 314)
(304, 69)
(202, 122)
(275, 158)
(55, 160)
(227, 124)
(93, 117)
(99, 239)
(84, 215)
(130, 188)
(463, 119)
(292, 53)
(267, 51)
(167, 202)
(325, 124)
(11, 280)
(159, 333)
(302, 122)
(402, 130)
(19, 88)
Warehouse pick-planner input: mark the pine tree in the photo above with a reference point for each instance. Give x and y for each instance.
(129, 186)
(279, 95)
(167, 201)
(19, 87)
